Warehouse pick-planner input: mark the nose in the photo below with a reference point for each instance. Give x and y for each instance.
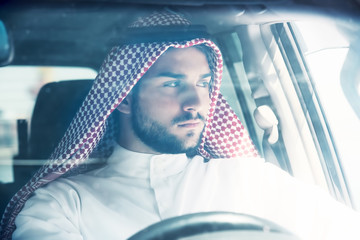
(191, 100)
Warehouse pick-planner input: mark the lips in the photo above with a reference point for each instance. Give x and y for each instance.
(190, 124)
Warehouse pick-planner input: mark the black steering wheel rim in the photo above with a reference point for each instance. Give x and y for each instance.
(206, 222)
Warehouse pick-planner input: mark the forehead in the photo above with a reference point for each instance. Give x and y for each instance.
(181, 60)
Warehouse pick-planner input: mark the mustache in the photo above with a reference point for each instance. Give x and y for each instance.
(188, 116)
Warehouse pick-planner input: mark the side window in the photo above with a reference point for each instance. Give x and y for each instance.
(279, 64)
(19, 87)
(315, 137)
(332, 60)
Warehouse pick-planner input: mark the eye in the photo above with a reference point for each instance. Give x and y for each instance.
(171, 84)
(203, 83)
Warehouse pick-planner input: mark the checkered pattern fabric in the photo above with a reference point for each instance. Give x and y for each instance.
(165, 18)
(224, 136)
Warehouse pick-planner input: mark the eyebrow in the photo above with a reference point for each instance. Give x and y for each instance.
(206, 75)
(179, 76)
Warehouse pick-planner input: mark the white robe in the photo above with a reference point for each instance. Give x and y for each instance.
(135, 190)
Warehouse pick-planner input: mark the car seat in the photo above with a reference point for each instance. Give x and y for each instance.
(55, 107)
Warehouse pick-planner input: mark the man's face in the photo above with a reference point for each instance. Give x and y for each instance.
(171, 103)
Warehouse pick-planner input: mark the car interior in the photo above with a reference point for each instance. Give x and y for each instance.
(265, 81)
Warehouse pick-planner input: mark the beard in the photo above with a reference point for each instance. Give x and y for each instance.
(159, 138)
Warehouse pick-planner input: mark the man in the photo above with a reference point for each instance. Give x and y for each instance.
(167, 157)
(166, 111)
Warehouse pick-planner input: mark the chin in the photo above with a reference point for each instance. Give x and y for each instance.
(192, 142)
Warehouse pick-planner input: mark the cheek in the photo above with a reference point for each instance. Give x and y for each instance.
(157, 104)
(205, 100)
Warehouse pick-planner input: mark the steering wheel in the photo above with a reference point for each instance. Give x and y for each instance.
(214, 225)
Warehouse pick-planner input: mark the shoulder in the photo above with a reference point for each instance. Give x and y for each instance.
(238, 164)
(61, 189)
(251, 171)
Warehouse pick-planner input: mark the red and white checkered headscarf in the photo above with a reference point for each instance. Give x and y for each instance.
(224, 136)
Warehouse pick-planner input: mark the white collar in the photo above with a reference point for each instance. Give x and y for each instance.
(142, 165)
